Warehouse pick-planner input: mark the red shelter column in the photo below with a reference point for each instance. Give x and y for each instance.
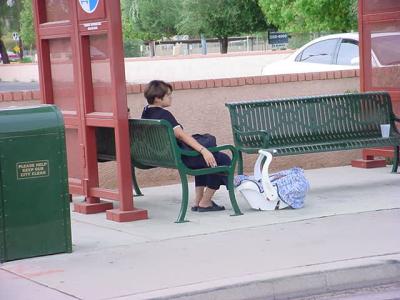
(81, 69)
(379, 27)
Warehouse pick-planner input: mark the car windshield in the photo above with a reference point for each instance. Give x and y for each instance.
(386, 48)
(320, 52)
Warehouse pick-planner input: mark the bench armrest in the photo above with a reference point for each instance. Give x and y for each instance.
(263, 133)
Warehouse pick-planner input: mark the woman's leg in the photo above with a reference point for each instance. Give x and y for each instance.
(204, 194)
(200, 184)
(199, 195)
(206, 204)
(206, 199)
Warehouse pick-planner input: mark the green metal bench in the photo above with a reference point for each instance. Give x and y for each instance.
(153, 144)
(313, 124)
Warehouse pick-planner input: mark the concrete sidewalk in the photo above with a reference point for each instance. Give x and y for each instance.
(346, 236)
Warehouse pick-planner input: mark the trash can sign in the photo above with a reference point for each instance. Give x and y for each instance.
(32, 169)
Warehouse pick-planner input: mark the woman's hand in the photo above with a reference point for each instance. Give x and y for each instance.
(189, 140)
(209, 158)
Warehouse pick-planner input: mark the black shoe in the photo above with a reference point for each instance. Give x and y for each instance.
(214, 207)
(196, 208)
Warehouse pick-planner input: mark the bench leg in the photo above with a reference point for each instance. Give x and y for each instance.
(240, 163)
(232, 196)
(185, 198)
(395, 159)
(138, 192)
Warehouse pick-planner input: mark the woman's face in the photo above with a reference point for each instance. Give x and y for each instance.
(167, 99)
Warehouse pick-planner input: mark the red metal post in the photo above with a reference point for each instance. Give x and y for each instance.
(378, 17)
(81, 69)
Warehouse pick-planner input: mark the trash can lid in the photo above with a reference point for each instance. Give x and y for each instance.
(30, 119)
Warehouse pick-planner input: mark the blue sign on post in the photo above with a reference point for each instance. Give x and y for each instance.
(89, 6)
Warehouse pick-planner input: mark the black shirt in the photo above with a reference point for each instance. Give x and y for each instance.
(159, 113)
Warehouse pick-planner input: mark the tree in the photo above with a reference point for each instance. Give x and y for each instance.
(311, 15)
(26, 31)
(221, 19)
(9, 21)
(150, 20)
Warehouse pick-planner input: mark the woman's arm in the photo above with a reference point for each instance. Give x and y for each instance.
(189, 140)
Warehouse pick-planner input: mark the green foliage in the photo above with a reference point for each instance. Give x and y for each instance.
(27, 31)
(156, 19)
(9, 43)
(150, 19)
(9, 22)
(27, 59)
(221, 18)
(311, 15)
(9, 16)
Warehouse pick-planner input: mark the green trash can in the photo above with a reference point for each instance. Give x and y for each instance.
(34, 198)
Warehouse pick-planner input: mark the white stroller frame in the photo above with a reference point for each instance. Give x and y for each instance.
(269, 199)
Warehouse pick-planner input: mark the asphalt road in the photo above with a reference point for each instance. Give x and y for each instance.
(10, 86)
(142, 70)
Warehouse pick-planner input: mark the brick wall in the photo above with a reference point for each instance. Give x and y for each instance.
(209, 83)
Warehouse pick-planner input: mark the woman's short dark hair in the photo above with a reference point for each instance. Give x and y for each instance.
(156, 89)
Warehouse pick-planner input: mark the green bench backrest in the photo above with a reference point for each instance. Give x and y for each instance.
(305, 120)
(153, 143)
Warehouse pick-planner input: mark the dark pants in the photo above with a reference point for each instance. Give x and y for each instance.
(212, 181)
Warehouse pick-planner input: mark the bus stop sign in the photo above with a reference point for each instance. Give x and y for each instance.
(89, 6)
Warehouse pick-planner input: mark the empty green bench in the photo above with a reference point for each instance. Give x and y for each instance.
(313, 124)
(153, 144)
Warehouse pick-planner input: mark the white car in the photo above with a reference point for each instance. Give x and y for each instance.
(337, 52)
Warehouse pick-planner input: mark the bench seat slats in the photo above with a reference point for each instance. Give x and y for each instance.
(335, 146)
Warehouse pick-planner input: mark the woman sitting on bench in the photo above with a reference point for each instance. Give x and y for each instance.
(158, 95)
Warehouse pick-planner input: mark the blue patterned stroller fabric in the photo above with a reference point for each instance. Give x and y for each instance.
(291, 184)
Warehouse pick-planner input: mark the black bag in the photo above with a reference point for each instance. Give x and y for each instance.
(206, 140)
